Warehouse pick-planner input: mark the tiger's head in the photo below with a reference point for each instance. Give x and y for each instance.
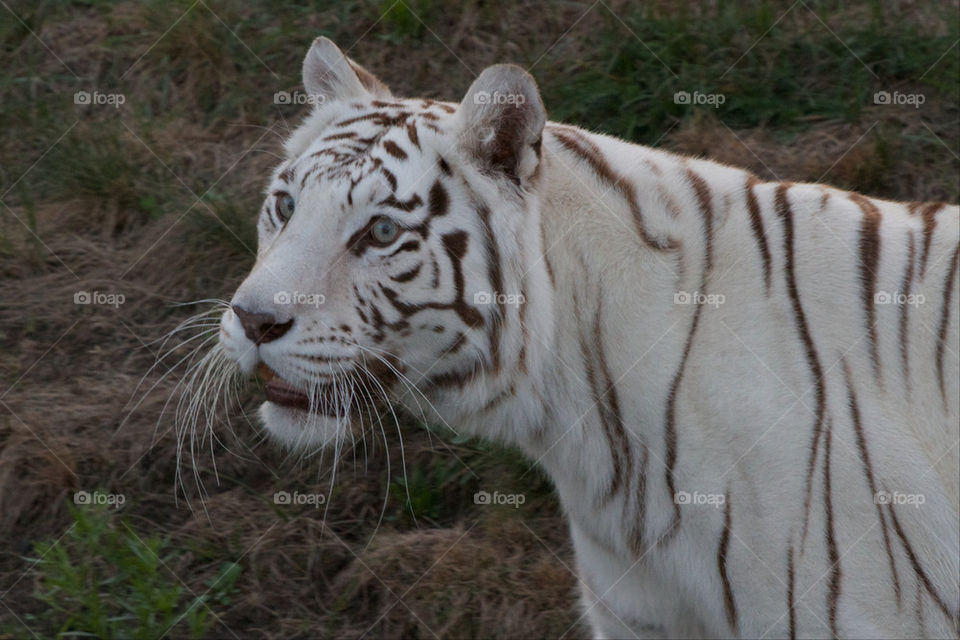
(397, 250)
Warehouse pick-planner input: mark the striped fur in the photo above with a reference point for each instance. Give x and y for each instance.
(705, 363)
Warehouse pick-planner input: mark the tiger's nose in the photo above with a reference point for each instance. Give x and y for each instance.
(261, 327)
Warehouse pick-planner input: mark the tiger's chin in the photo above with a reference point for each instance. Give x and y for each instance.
(296, 420)
(298, 429)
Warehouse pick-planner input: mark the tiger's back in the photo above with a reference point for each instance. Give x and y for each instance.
(806, 371)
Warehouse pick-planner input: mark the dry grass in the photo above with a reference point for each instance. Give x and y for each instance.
(116, 206)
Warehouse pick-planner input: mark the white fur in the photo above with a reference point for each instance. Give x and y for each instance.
(745, 405)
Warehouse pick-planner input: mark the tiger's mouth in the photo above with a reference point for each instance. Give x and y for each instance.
(282, 393)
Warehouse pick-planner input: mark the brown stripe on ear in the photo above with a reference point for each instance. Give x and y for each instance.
(729, 604)
(785, 214)
(945, 319)
(869, 260)
(369, 81)
(906, 286)
(833, 594)
(756, 225)
(580, 145)
(868, 472)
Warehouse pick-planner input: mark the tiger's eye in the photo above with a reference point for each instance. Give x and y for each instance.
(384, 230)
(285, 206)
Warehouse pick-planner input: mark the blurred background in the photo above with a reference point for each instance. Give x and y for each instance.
(136, 138)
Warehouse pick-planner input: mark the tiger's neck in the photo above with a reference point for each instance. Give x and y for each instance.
(566, 353)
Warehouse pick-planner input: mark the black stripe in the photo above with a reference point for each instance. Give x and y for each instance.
(495, 275)
(868, 472)
(407, 276)
(611, 401)
(945, 320)
(756, 225)
(813, 360)
(439, 201)
(929, 216)
(729, 604)
(790, 605)
(918, 569)
(905, 288)
(869, 260)
(833, 594)
(583, 147)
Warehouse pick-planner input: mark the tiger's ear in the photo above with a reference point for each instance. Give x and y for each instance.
(501, 122)
(329, 75)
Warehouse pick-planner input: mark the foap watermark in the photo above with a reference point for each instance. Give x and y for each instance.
(300, 499)
(298, 297)
(710, 299)
(699, 98)
(98, 98)
(700, 499)
(485, 497)
(897, 498)
(99, 298)
(898, 298)
(498, 97)
(495, 297)
(114, 500)
(298, 97)
(898, 98)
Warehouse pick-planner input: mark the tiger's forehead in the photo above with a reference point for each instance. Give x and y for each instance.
(370, 138)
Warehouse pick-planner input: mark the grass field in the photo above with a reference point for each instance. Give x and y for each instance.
(136, 139)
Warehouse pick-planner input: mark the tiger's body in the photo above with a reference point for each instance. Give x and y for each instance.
(738, 426)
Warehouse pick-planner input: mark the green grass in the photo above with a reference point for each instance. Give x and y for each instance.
(770, 71)
(103, 579)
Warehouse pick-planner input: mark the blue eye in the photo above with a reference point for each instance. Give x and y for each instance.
(384, 230)
(285, 206)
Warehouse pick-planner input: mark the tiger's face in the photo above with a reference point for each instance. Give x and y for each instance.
(377, 265)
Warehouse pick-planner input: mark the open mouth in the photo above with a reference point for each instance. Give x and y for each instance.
(284, 394)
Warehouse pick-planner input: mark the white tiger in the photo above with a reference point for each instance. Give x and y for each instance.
(746, 393)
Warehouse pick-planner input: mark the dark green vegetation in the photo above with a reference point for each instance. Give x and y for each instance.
(155, 199)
